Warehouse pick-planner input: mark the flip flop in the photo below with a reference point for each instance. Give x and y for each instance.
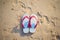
(25, 23)
(33, 23)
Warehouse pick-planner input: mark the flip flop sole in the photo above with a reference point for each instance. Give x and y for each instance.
(26, 30)
(32, 30)
(33, 21)
(25, 20)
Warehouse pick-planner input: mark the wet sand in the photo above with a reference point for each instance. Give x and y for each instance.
(48, 12)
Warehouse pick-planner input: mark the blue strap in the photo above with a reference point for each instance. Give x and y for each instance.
(26, 24)
(33, 25)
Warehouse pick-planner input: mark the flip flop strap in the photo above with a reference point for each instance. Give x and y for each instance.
(23, 19)
(35, 18)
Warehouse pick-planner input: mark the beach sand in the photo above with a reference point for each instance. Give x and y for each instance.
(47, 11)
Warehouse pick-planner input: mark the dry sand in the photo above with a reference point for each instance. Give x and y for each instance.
(48, 12)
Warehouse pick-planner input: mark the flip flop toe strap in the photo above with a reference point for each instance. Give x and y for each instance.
(33, 25)
(26, 22)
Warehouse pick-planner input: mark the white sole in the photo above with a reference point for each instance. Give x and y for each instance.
(33, 20)
(32, 30)
(26, 30)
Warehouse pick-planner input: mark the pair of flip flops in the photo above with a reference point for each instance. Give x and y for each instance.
(29, 23)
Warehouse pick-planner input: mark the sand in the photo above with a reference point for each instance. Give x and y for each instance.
(48, 12)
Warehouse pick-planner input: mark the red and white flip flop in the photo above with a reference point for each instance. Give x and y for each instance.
(25, 23)
(33, 23)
